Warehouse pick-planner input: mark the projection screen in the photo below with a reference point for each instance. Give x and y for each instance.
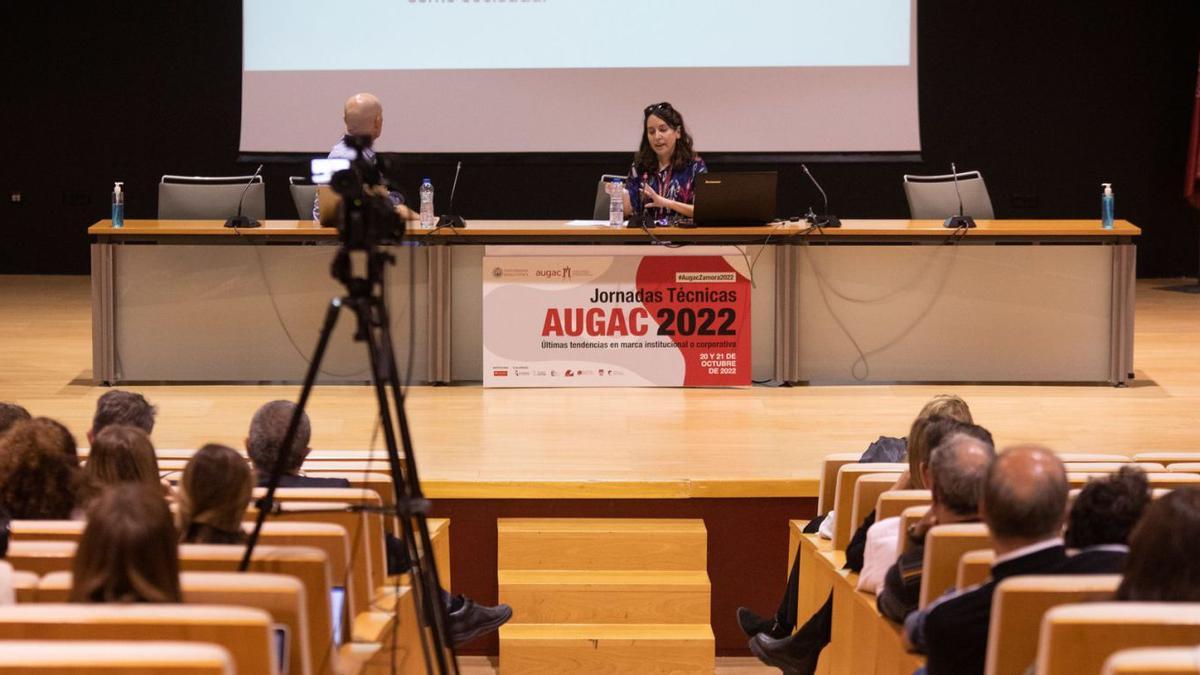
(469, 76)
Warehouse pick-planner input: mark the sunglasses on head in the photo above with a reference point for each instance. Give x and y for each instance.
(657, 106)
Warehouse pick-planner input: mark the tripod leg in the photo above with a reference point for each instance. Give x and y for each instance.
(310, 378)
(424, 575)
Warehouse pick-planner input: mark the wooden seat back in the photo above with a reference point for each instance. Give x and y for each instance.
(907, 517)
(1091, 457)
(1167, 458)
(309, 565)
(944, 545)
(113, 657)
(1184, 467)
(1080, 638)
(866, 493)
(974, 568)
(1154, 661)
(244, 632)
(828, 482)
(279, 595)
(843, 499)
(1018, 607)
(893, 502)
(1111, 467)
(372, 538)
(1157, 479)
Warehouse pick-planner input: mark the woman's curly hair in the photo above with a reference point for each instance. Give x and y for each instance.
(39, 472)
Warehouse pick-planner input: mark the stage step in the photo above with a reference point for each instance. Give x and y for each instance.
(601, 544)
(645, 649)
(606, 596)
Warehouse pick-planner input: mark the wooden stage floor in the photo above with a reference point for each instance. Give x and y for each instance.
(647, 443)
(743, 460)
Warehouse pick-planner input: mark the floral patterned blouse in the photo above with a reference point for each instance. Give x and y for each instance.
(672, 183)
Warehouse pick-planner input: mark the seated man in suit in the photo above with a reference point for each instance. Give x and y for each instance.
(467, 620)
(1024, 504)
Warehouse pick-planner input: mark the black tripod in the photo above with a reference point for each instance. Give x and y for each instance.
(365, 298)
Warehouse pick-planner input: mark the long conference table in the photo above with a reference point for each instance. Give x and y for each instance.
(876, 301)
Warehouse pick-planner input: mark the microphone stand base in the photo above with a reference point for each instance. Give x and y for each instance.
(959, 222)
(242, 222)
(451, 221)
(825, 221)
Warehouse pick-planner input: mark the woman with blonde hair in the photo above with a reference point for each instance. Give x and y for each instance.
(924, 434)
(128, 551)
(214, 494)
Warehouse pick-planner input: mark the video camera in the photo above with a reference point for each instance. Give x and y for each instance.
(366, 216)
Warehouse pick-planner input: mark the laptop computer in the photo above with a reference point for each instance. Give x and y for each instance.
(735, 199)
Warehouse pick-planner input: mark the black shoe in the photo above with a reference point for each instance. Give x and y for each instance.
(753, 624)
(472, 621)
(791, 655)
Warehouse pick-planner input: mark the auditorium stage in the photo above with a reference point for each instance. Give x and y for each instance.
(746, 460)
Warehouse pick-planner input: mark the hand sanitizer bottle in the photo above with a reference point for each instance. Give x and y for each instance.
(1106, 206)
(118, 205)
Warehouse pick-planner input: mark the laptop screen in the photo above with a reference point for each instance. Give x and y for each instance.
(337, 605)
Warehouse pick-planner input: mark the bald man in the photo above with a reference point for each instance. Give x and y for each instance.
(1024, 504)
(363, 115)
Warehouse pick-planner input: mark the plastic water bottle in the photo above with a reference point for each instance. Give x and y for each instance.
(616, 203)
(426, 204)
(118, 205)
(1106, 206)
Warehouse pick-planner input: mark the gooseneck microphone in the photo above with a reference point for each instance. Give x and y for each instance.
(825, 219)
(239, 220)
(960, 221)
(450, 220)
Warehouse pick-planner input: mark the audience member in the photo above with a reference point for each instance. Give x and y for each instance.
(885, 449)
(265, 442)
(39, 472)
(1164, 549)
(10, 414)
(1103, 515)
(122, 407)
(467, 620)
(1024, 504)
(956, 472)
(214, 493)
(122, 454)
(128, 551)
(799, 652)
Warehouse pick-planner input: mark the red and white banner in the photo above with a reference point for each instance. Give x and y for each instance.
(631, 317)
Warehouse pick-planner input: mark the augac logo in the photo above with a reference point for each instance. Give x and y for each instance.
(562, 273)
(497, 272)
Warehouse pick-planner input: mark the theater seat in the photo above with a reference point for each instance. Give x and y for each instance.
(113, 657)
(1080, 638)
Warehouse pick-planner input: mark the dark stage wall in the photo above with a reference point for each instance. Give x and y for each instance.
(1048, 99)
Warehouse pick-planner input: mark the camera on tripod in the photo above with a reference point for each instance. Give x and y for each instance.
(366, 216)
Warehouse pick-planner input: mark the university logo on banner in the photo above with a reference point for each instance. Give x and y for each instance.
(620, 320)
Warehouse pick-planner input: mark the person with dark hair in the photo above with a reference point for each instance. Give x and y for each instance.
(799, 652)
(128, 551)
(214, 494)
(10, 414)
(265, 442)
(122, 454)
(1024, 504)
(662, 179)
(122, 407)
(1163, 551)
(1104, 514)
(39, 472)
